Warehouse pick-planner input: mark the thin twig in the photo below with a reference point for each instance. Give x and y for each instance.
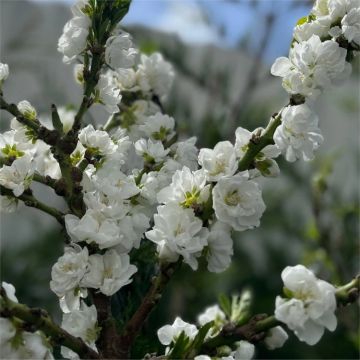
(31, 201)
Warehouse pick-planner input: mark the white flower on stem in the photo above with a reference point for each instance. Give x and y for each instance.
(275, 338)
(109, 272)
(93, 227)
(237, 201)
(81, 323)
(119, 52)
(211, 313)
(108, 94)
(151, 151)
(159, 127)
(114, 183)
(125, 79)
(27, 110)
(22, 345)
(96, 140)
(11, 148)
(244, 351)
(169, 333)
(18, 176)
(310, 305)
(188, 188)
(72, 299)
(178, 232)
(72, 42)
(319, 27)
(69, 270)
(186, 153)
(4, 73)
(312, 66)
(219, 162)
(350, 26)
(44, 161)
(9, 290)
(155, 74)
(79, 8)
(220, 247)
(107, 205)
(298, 134)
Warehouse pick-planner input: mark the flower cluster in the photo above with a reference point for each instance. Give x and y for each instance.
(15, 343)
(213, 320)
(309, 305)
(132, 182)
(318, 59)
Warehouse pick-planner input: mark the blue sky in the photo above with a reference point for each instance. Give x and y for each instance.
(190, 20)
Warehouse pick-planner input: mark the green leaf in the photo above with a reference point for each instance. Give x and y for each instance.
(302, 21)
(225, 304)
(200, 337)
(56, 119)
(180, 347)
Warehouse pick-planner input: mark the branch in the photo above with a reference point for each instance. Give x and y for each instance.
(13, 110)
(31, 201)
(41, 320)
(134, 325)
(258, 142)
(255, 330)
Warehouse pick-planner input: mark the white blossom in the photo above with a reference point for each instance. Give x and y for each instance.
(108, 94)
(9, 290)
(114, 183)
(178, 232)
(298, 134)
(73, 39)
(97, 140)
(17, 177)
(169, 333)
(211, 313)
(27, 110)
(310, 307)
(244, 351)
(81, 323)
(275, 338)
(80, 7)
(159, 127)
(188, 188)
(125, 79)
(155, 74)
(4, 72)
(220, 247)
(119, 52)
(312, 66)
(186, 153)
(69, 270)
(219, 162)
(22, 345)
(109, 272)
(151, 151)
(94, 227)
(237, 201)
(319, 27)
(350, 26)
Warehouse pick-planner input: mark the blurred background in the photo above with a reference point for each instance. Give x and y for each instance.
(222, 51)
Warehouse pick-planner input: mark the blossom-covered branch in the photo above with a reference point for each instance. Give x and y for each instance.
(38, 319)
(258, 326)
